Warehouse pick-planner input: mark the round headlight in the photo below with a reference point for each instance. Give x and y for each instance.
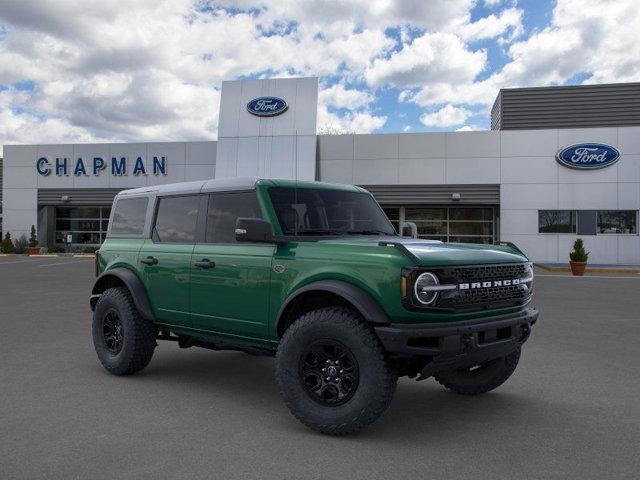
(421, 289)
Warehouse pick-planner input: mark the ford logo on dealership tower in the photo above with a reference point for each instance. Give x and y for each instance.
(588, 156)
(267, 106)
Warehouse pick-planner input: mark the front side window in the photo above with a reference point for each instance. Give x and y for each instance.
(618, 221)
(129, 216)
(556, 221)
(317, 211)
(176, 219)
(224, 209)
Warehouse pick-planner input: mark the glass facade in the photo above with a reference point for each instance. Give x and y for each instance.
(448, 224)
(86, 225)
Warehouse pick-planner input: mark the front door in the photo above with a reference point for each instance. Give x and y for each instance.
(229, 280)
(166, 258)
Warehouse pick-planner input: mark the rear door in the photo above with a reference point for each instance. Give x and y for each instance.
(230, 280)
(165, 258)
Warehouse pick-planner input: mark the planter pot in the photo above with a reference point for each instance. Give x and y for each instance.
(578, 268)
(34, 250)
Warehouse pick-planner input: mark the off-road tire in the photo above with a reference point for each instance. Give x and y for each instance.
(377, 375)
(138, 335)
(483, 379)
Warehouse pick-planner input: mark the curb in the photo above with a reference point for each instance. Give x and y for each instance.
(590, 269)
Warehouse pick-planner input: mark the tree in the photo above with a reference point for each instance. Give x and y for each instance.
(33, 239)
(7, 244)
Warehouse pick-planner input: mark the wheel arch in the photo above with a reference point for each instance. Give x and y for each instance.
(326, 293)
(123, 277)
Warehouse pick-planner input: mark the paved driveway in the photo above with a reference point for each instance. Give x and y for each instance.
(572, 409)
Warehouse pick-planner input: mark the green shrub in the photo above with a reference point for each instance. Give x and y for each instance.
(20, 245)
(33, 238)
(579, 254)
(7, 244)
(56, 249)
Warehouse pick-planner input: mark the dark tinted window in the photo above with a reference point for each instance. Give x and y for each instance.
(224, 210)
(176, 219)
(129, 215)
(556, 221)
(309, 211)
(618, 221)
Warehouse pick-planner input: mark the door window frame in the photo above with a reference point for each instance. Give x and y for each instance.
(202, 239)
(154, 219)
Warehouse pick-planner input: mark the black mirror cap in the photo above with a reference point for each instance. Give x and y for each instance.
(255, 230)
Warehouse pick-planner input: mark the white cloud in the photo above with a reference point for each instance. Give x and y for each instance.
(469, 128)
(447, 116)
(407, 128)
(338, 96)
(509, 20)
(432, 57)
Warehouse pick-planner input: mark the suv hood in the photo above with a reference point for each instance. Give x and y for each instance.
(432, 252)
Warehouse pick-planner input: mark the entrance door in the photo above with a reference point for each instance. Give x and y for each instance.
(230, 281)
(166, 258)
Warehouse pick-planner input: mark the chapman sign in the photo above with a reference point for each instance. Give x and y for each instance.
(588, 156)
(96, 165)
(267, 106)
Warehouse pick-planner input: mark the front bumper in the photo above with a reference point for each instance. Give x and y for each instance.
(459, 344)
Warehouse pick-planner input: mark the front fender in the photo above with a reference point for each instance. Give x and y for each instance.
(361, 300)
(133, 284)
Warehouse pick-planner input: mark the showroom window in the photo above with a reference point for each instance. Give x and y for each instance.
(86, 225)
(618, 222)
(448, 224)
(556, 221)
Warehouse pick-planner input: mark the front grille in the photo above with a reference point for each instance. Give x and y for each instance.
(474, 299)
(479, 273)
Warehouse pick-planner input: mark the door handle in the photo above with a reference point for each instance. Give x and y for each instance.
(204, 263)
(149, 260)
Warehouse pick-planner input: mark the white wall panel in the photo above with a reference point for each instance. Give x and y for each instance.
(529, 143)
(538, 248)
(570, 136)
(514, 222)
(369, 147)
(335, 147)
(473, 170)
(375, 172)
(629, 249)
(587, 196)
(528, 196)
(629, 196)
(422, 145)
(473, 144)
(629, 140)
(338, 171)
(429, 171)
(529, 170)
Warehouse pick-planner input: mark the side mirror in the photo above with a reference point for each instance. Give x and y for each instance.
(409, 229)
(255, 230)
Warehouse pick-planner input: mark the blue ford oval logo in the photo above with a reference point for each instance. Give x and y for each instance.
(588, 156)
(267, 106)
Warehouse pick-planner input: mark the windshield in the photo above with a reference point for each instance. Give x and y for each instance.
(318, 211)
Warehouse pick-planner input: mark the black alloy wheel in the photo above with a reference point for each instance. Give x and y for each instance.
(112, 331)
(329, 372)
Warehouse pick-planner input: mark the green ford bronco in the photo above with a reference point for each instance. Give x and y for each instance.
(315, 275)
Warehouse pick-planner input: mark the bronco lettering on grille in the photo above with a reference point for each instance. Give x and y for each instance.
(494, 283)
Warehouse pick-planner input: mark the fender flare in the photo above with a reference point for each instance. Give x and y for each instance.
(133, 284)
(361, 300)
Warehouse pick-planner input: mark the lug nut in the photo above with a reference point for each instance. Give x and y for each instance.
(324, 369)
(328, 379)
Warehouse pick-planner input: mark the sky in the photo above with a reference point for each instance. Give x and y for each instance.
(77, 71)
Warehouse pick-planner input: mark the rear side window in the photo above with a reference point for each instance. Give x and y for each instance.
(128, 216)
(176, 219)
(224, 210)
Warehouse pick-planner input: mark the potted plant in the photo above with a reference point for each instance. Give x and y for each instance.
(33, 242)
(21, 245)
(7, 244)
(578, 258)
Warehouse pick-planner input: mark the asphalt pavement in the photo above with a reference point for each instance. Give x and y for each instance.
(571, 410)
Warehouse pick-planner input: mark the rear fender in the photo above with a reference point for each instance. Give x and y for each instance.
(131, 281)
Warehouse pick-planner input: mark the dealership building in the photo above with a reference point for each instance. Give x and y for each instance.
(559, 163)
